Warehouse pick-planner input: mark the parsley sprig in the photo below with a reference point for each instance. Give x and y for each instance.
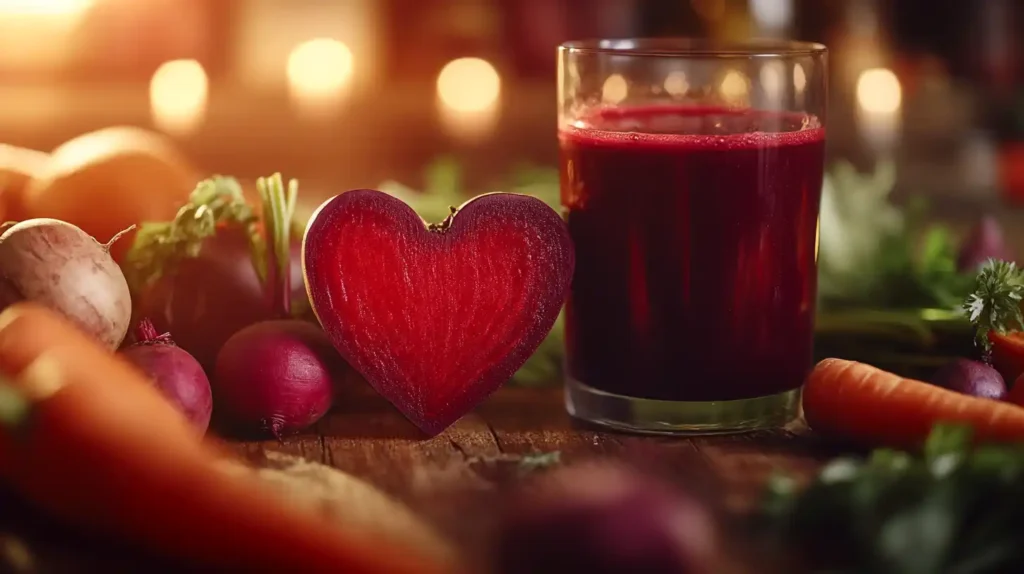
(995, 303)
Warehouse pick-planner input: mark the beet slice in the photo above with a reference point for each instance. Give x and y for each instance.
(436, 317)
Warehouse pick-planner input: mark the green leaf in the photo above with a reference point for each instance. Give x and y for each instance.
(947, 439)
(995, 303)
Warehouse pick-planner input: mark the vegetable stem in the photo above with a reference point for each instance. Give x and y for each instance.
(278, 211)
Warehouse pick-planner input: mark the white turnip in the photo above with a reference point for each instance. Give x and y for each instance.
(59, 266)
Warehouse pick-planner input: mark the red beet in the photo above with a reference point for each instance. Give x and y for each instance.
(208, 298)
(604, 519)
(276, 377)
(984, 242)
(176, 373)
(436, 318)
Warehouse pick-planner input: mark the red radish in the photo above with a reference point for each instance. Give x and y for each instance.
(277, 376)
(176, 373)
(201, 276)
(436, 317)
(59, 266)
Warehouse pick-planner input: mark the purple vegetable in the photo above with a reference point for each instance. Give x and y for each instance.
(971, 378)
(176, 373)
(984, 242)
(276, 377)
(604, 519)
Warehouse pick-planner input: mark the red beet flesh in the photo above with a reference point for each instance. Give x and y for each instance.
(208, 298)
(275, 377)
(176, 373)
(436, 319)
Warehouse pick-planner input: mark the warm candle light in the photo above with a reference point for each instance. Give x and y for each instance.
(676, 84)
(879, 100)
(44, 7)
(319, 75)
(178, 94)
(773, 82)
(468, 92)
(735, 87)
(615, 89)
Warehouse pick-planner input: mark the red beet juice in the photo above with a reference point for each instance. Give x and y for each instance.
(695, 233)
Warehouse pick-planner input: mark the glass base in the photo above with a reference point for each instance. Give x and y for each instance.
(649, 416)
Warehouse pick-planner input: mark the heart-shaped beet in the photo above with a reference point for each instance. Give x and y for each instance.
(436, 317)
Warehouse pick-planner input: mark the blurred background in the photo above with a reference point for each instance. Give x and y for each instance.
(350, 93)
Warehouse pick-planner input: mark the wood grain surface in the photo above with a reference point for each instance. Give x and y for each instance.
(455, 480)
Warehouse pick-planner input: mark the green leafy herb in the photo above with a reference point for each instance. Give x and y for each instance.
(995, 303)
(954, 509)
(159, 246)
(539, 461)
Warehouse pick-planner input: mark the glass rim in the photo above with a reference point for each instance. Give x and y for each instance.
(681, 47)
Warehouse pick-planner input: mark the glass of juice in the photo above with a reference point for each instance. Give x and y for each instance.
(691, 175)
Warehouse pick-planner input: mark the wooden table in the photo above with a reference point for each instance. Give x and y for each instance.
(449, 479)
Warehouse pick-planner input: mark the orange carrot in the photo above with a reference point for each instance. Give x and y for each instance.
(877, 408)
(102, 450)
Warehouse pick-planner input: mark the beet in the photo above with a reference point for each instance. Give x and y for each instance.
(276, 377)
(208, 298)
(176, 373)
(603, 518)
(971, 378)
(59, 266)
(437, 317)
(985, 241)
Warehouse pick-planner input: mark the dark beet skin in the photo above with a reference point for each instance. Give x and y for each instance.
(436, 319)
(604, 520)
(275, 378)
(971, 378)
(985, 241)
(211, 297)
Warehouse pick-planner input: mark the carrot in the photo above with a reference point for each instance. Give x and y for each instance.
(102, 450)
(877, 408)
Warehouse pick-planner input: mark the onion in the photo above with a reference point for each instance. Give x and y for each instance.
(604, 519)
(276, 377)
(58, 265)
(971, 378)
(176, 373)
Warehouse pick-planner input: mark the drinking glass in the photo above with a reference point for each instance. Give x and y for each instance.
(691, 175)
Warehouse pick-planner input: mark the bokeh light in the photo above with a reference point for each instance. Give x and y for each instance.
(319, 70)
(676, 84)
(178, 94)
(879, 91)
(615, 89)
(469, 85)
